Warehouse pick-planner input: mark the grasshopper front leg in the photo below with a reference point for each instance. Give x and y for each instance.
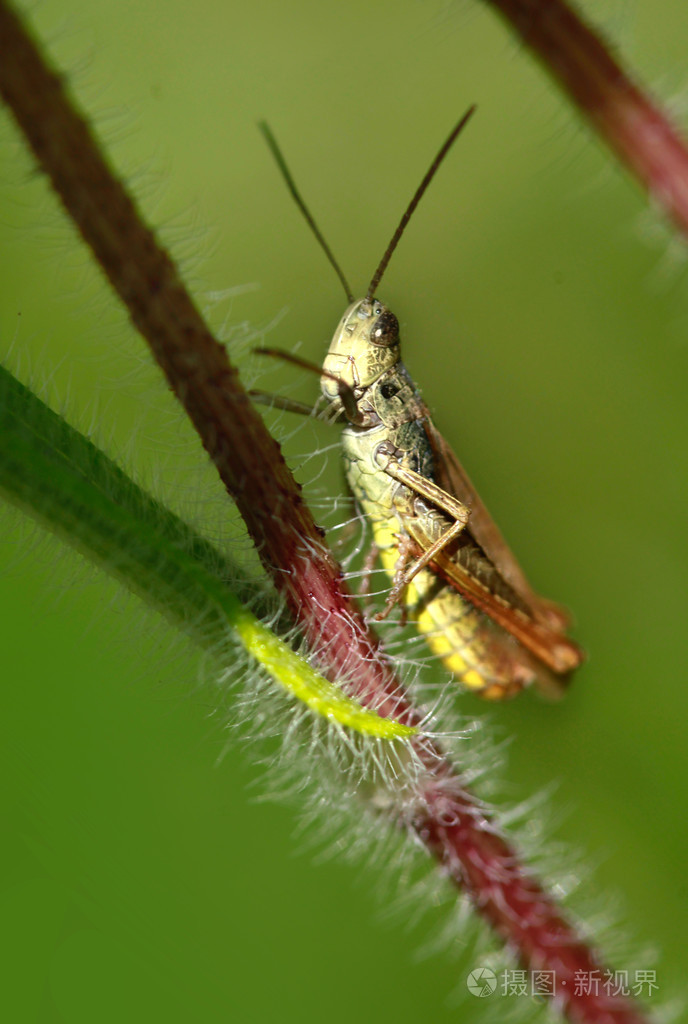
(387, 459)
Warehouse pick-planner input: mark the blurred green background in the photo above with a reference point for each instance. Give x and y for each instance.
(544, 313)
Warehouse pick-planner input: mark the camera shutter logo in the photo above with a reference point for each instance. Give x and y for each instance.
(481, 982)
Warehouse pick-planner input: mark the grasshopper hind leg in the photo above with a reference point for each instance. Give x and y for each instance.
(481, 655)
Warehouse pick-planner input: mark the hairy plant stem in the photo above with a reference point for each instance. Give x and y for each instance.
(59, 477)
(624, 115)
(455, 828)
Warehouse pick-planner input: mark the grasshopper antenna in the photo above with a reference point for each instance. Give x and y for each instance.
(296, 195)
(420, 191)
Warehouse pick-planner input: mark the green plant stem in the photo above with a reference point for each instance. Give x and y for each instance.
(248, 460)
(61, 478)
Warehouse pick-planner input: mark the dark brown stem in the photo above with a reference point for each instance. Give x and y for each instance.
(521, 913)
(453, 825)
(636, 129)
(247, 458)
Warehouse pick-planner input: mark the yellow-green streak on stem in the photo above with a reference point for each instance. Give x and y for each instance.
(299, 679)
(61, 478)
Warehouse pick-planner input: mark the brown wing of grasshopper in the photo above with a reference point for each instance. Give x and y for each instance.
(520, 638)
(452, 477)
(549, 646)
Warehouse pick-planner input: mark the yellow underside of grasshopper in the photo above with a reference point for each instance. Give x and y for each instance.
(463, 637)
(450, 624)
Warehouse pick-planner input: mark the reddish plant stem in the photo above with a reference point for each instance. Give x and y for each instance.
(453, 826)
(525, 917)
(636, 129)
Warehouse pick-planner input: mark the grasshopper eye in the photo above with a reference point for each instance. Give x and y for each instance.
(389, 390)
(385, 333)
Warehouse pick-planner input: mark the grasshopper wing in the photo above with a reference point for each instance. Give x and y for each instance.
(452, 477)
(549, 646)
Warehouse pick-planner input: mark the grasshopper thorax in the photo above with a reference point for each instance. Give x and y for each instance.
(364, 346)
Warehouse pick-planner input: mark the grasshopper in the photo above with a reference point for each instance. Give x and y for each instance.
(450, 567)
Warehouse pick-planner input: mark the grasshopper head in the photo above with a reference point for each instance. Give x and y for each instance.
(365, 344)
